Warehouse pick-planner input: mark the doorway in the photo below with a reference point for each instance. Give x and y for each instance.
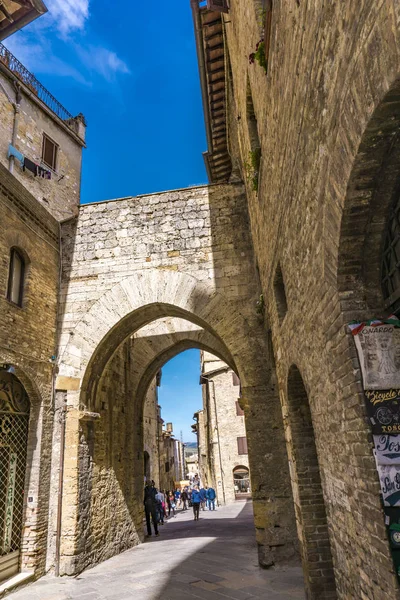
(14, 424)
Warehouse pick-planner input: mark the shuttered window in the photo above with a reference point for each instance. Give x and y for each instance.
(49, 152)
(239, 411)
(218, 5)
(242, 445)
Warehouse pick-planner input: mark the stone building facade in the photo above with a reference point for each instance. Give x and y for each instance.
(221, 430)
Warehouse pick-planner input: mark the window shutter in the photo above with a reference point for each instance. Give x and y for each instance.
(218, 5)
(239, 411)
(242, 445)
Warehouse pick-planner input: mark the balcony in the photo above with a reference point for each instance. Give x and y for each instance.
(36, 88)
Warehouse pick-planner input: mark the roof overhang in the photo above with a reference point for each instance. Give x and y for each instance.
(15, 14)
(209, 32)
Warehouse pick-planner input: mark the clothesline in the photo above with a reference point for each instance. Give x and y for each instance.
(28, 164)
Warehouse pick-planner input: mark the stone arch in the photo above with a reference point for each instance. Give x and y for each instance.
(372, 188)
(310, 508)
(146, 296)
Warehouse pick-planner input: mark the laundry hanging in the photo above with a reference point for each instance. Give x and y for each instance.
(31, 166)
(16, 153)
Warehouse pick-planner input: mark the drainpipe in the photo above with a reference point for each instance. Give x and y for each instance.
(17, 109)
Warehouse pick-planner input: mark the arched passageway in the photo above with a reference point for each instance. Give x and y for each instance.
(114, 386)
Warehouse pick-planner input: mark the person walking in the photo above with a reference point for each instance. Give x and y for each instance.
(184, 498)
(178, 497)
(150, 504)
(203, 494)
(168, 501)
(160, 507)
(196, 499)
(210, 495)
(172, 502)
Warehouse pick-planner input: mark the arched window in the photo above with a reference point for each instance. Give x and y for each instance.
(16, 276)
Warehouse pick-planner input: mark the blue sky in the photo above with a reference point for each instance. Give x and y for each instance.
(131, 69)
(180, 392)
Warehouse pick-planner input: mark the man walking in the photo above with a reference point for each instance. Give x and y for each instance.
(203, 496)
(150, 504)
(160, 503)
(210, 495)
(184, 498)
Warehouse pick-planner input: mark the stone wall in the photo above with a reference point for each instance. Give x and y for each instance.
(60, 195)
(28, 343)
(151, 431)
(330, 67)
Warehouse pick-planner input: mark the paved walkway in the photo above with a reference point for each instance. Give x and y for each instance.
(214, 558)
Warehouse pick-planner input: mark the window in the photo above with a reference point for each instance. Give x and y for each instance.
(167, 467)
(242, 445)
(280, 294)
(49, 152)
(239, 411)
(16, 276)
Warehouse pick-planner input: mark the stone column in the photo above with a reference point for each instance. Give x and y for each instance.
(274, 515)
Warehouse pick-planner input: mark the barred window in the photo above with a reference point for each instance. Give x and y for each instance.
(391, 260)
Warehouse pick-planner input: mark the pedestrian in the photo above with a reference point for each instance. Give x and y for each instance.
(210, 495)
(196, 499)
(172, 502)
(168, 501)
(189, 493)
(177, 497)
(160, 507)
(184, 498)
(150, 503)
(203, 498)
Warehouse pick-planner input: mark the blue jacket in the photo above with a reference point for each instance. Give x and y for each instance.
(196, 496)
(210, 494)
(203, 494)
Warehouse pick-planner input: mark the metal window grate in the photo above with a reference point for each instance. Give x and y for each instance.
(391, 261)
(14, 423)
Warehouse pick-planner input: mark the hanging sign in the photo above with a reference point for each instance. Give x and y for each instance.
(389, 477)
(378, 348)
(383, 408)
(387, 449)
(12, 468)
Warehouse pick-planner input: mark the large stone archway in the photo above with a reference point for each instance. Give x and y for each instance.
(127, 264)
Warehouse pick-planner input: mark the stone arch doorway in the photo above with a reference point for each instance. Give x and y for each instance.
(14, 429)
(241, 482)
(309, 502)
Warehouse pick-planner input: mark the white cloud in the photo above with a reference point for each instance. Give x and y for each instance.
(102, 61)
(69, 15)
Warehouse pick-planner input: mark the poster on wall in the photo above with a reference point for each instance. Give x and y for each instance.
(378, 348)
(383, 409)
(387, 449)
(389, 477)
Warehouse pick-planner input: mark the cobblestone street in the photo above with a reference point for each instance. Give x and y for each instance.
(213, 558)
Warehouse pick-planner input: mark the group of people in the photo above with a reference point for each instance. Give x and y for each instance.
(158, 503)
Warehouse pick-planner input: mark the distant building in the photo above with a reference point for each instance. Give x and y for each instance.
(223, 458)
